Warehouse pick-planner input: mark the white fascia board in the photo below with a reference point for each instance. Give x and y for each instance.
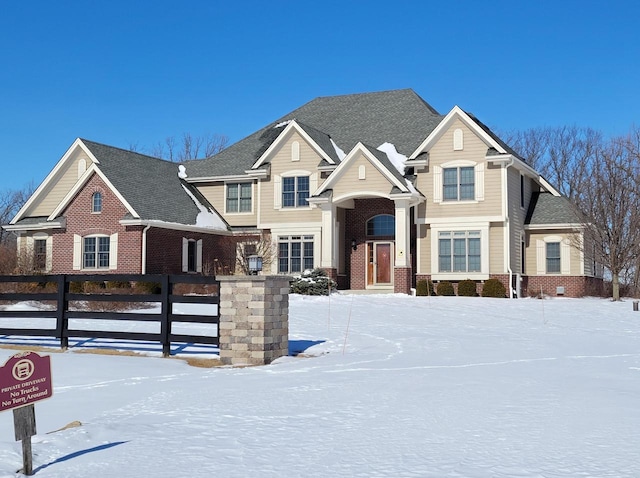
(456, 113)
(575, 227)
(291, 228)
(41, 226)
(218, 179)
(545, 184)
(80, 184)
(456, 221)
(293, 125)
(174, 226)
(52, 176)
(331, 180)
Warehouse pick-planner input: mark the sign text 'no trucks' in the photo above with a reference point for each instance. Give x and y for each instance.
(24, 379)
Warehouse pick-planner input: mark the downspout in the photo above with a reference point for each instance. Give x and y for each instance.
(508, 226)
(144, 248)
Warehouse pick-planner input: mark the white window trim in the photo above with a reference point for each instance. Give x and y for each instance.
(438, 185)
(484, 251)
(78, 252)
(243, 213)
(93, 197)
(541, 256)
(185, 255)
(277, 189)
(296, 230)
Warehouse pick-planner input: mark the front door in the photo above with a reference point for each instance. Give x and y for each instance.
(379, 263)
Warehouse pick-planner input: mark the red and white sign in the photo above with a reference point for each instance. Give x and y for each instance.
(25, 378)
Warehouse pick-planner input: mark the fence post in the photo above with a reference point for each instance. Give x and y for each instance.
(62, 318)
(165, 311)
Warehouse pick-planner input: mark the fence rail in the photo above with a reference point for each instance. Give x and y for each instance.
(69, 291)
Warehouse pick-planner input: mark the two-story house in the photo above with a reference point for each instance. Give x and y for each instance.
(378, 189)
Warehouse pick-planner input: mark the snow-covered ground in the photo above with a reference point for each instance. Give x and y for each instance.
(418, 387)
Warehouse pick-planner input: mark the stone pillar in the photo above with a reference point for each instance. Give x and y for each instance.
(254, 319)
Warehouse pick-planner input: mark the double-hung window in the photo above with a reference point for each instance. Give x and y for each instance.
(96, 202)
(238, 197)
(95, 252)
(459, 251)
(295, 254)
(40, 254)
(553, 258)
(295, 191)
(458, 184)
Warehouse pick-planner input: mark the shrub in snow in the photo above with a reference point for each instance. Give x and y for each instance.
(494, 288)
(445, 288)
(315, 282)
(467, 288)
(424, 288)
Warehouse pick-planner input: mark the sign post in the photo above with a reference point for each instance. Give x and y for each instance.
(25, 379)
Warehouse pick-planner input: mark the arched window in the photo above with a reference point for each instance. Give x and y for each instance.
(381, 225)
(96, 202)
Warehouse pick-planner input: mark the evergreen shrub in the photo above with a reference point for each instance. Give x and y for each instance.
(467, 288)
(315, 282)
(445, 288)
(494, 288)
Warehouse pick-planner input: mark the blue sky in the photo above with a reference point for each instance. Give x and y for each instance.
(136, 72)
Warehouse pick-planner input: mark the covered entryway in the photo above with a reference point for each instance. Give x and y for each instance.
(379, 264)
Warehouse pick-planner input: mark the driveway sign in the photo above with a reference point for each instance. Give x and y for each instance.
(24, 379)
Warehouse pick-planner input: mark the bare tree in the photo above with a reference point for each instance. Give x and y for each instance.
(11, 200)
(609, 201)
(562, 155)
(186, 148)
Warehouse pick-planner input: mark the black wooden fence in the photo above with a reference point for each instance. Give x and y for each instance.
(63, 290)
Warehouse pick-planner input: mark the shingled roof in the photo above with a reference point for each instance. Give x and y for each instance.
(399, 117)
(150, 185)
(547, 209)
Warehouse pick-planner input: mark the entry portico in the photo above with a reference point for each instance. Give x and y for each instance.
(366, 215)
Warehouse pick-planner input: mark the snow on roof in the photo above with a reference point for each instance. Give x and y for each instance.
(182, 172)
(284, 123)
(206, 217)
(396, 158)
(341, 154)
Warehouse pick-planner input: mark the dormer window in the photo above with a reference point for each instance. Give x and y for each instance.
(96, 202)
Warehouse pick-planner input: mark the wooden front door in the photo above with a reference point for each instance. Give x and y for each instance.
(379, 263)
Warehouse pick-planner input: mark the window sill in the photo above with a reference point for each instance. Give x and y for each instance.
(457, 276)
(466, 201)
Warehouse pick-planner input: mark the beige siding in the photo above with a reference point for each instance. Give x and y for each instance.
(475, 150)
(532, 253)
(59, 186)
(216, 195)
(424, 237)
(350, 182)
(496, 250)
(517, 214)
(281, 163)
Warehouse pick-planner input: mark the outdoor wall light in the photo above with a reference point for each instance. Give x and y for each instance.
(354, 244)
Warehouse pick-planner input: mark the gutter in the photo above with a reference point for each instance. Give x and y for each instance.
(144, 248)
(508, 226)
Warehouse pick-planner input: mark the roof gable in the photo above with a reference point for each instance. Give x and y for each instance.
(55, 176)
(458, 114)
(312, 136)
(377, 158)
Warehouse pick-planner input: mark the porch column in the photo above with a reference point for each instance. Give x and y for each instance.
(402, 233)
(329, 259)
(402, 269)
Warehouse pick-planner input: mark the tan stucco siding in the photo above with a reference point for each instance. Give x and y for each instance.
(496, 249)
(474, 150)
(282, 164)
(349, 182)
(575, 255)
(60, 185)
(216, 195)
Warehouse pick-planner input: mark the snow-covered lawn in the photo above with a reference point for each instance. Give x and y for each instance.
(421, 387)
